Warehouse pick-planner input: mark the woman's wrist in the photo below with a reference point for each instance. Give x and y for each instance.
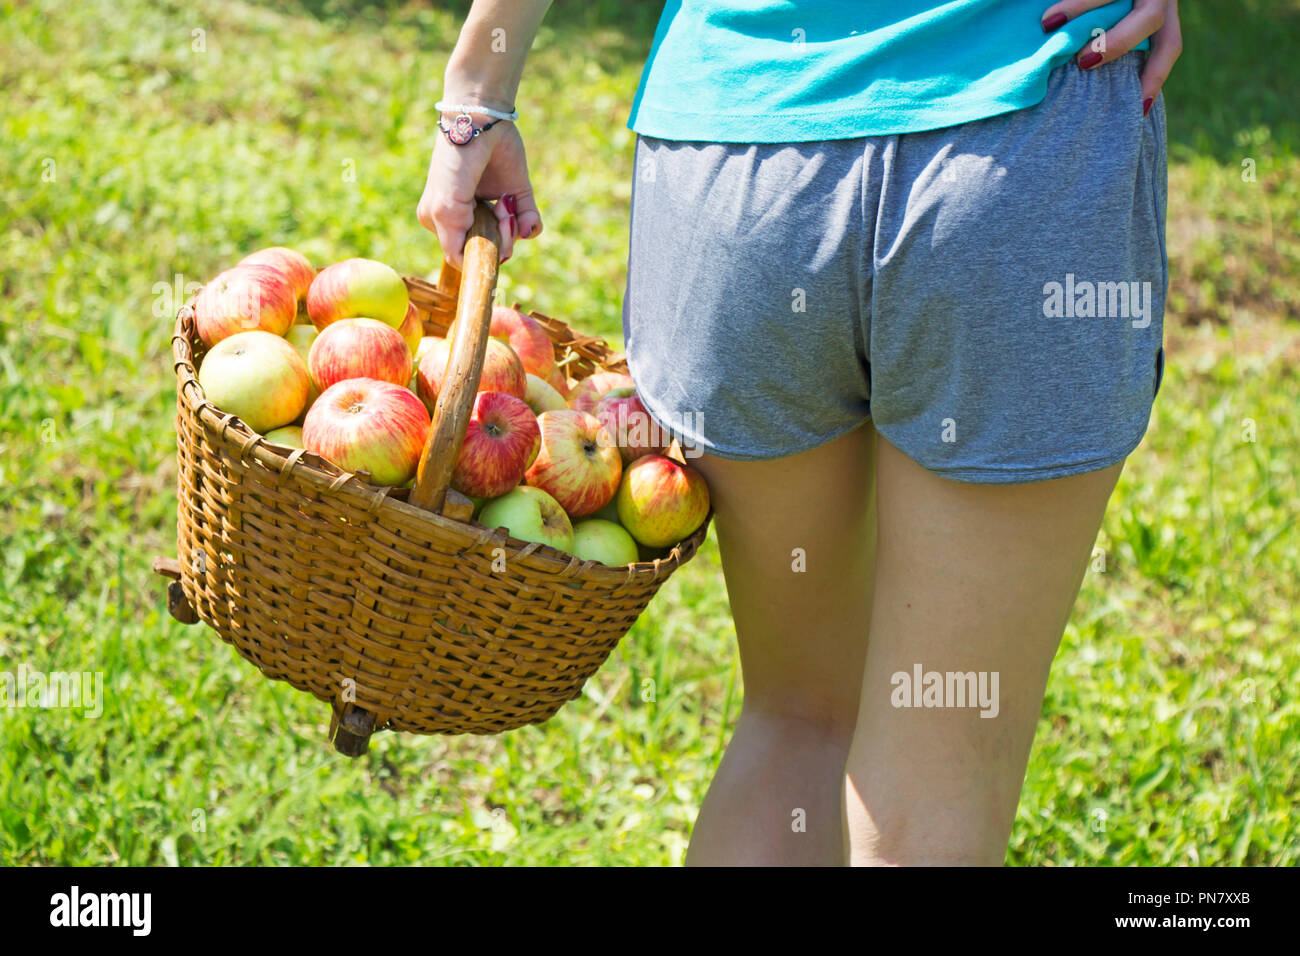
(484, 81)
(463, 93)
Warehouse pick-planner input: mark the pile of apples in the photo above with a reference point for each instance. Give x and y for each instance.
(336, 362)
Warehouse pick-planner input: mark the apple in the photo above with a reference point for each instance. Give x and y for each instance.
(412, 328)
(290, 436)
(529, 514)
(301, 337)
(558, 381)
(258, 377)
(427, 342)
(244, 299)
(430, 368)
(610, 511)
(591, 389)
(577, 464)
(364, 424)
(540, 396)
(634, 431)
(501, 371)
(289, 263)
(595, 539)
(359, 348)
(661, 501)
(524, 335)
(500, 441)
(357, 288)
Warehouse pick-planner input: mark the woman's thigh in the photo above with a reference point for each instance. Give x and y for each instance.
(974, 585)
(797, 539)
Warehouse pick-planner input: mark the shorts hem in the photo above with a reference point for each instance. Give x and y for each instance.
(1025, 476)
(696, 441)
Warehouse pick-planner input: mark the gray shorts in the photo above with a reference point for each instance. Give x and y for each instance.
(990, 295)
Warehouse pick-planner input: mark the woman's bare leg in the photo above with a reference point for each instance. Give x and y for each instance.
(797, 541)
(970, 578)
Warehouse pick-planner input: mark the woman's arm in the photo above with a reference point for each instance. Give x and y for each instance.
(484, 70)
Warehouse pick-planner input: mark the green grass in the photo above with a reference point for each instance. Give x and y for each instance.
(1169, 733)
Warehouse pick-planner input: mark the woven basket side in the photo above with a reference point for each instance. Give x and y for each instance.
(345, 591)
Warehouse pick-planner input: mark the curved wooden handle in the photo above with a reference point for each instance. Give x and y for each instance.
(456, 399)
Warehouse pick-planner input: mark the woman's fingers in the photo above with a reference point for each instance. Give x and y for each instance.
(449, 220)
(527, 218)
(504, 210)
(1058, 14)
(1166, 47)
(1146, 17)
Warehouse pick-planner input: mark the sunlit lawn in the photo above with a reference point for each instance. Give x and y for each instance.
(131, 159)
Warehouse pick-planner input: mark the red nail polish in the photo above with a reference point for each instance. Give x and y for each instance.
(1089, 60)
(508, 200)
(1054, 22)
(1146, 105)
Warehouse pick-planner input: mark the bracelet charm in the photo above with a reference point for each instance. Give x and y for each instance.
(461, 130)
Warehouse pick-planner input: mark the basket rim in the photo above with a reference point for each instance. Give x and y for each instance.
(328, 479)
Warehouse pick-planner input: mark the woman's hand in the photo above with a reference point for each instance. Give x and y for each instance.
(491, 166)
(1157, 19)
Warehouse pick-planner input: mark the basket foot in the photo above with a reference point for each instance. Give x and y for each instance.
(352, 736)
(178, 605)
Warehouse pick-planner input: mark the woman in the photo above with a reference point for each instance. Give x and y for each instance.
(945, 223)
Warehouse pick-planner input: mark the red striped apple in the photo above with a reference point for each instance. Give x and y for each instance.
(357, 288)
(661, 501)
(500, 442)
(541, 397)
(577, 464)
(359, 348)
(244, 299)
(560, 382)
(426, 342)
(363, 424)
(524, 335)
(258, 377)
(291, 264)
(630, 425)
(501, 371)
(587, 393)
(530, 514)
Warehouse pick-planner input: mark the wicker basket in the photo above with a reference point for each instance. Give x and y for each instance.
(388, 604)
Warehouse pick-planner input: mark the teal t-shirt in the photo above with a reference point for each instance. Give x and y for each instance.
(776, 71)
